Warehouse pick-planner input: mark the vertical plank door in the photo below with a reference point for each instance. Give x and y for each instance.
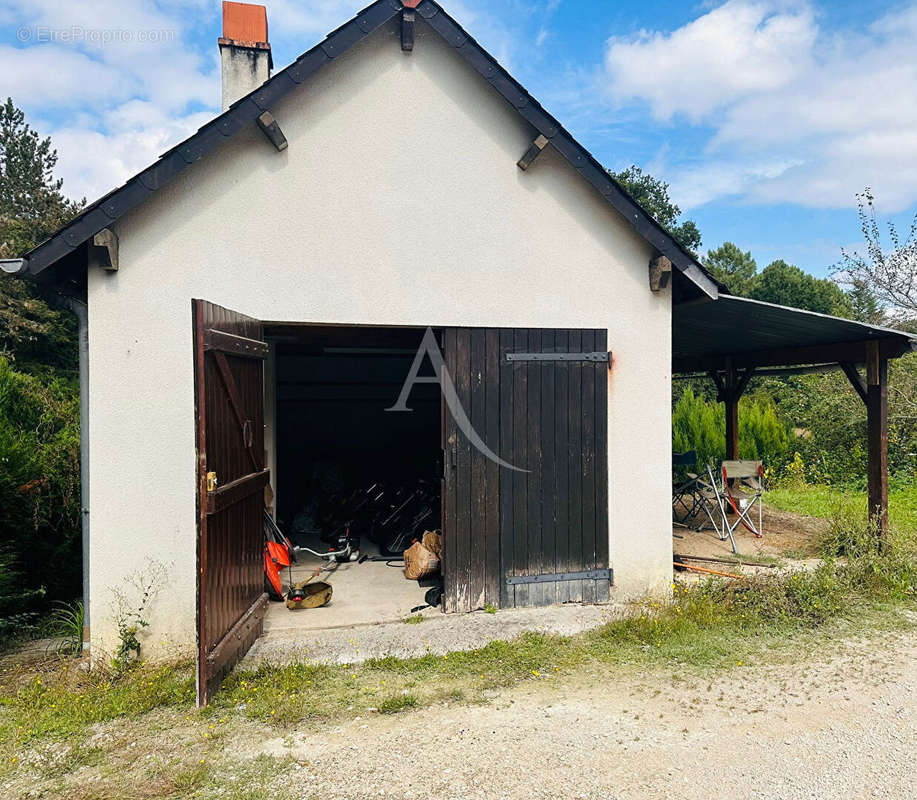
(536, 534)
(229, 353)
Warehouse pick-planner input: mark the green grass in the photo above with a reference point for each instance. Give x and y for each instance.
(826, 502)
(68, 701)
(398, 702)
(712, 624)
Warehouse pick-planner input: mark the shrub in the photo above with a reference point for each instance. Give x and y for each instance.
(700, 425)
(39, 494)
(883, 569)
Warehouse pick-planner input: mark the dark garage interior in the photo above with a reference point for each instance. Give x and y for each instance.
(346, 467)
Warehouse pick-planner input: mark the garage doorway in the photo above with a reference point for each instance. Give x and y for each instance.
(348, 471)
(507, 453)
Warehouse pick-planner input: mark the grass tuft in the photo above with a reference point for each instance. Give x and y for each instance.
(395, 703)
(58, 704)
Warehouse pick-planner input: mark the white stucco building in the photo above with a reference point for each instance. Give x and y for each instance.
(380, 193)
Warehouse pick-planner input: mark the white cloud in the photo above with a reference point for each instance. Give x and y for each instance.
(798, 112)
(56, 75)
(92, 163)
(314, 18)
(117, 82)
(113, 82)
(699, 184)
(738, 48)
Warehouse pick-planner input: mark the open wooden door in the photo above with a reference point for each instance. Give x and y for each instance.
(536, 535)
(229, 353)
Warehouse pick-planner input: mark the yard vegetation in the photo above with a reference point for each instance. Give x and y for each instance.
(827, 502)
(709, 625)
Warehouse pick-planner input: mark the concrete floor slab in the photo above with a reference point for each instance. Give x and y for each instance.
(437, 634)
(366, 619)
(364, 594)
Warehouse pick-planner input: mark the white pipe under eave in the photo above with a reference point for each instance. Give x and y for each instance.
(81, 310)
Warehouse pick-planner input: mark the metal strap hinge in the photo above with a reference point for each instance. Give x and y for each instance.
(606, 356)
(591, 575)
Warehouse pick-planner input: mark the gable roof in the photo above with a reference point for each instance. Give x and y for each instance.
(246, 110)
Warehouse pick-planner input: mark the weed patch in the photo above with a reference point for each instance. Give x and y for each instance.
(398, 702)
(65, 702)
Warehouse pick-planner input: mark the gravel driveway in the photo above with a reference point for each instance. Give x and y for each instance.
(840, 725)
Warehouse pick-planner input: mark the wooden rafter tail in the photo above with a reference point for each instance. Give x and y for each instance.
(407, 30)
(660, 273)
(271, 130)
(103, 251)
(532, 153)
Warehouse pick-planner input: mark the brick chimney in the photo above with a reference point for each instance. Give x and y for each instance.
(245, 54)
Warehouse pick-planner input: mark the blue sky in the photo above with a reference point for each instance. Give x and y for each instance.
(765, 116)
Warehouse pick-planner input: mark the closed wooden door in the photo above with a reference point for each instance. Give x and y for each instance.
(229, 397)
(533, 530)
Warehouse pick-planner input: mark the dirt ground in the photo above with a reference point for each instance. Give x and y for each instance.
(833, 718)
(841, 725)
(785, 535)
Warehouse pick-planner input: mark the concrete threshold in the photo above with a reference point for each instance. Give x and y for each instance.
(437, 634)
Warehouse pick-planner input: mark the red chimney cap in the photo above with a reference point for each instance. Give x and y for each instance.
(244, 24)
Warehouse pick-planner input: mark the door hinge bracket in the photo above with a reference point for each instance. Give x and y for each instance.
(590, 575)
(595, 357)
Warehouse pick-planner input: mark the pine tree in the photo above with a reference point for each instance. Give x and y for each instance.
(653, 196)
(33, 336)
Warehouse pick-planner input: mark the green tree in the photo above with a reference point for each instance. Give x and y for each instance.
(39, 490)
(31, 203)
(788, 285)
(653, 196)
(33, 336)
(39, 396)
(865, 304)
(731, 266)
(699, 424)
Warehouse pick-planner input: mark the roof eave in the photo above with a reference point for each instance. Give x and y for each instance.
(246, 110)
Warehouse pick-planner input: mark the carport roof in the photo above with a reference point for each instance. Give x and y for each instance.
(755, 334)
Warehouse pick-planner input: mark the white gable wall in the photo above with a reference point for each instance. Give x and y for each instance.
(398, 202)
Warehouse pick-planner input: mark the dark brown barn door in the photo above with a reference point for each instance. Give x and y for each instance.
(536, 535)
(229, 397)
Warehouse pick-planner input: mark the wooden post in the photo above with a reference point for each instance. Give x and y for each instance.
(731, 400)
(732, 429)
(877, 435)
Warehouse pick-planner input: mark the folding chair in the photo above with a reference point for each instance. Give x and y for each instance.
(741, 487)
(693, 495)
